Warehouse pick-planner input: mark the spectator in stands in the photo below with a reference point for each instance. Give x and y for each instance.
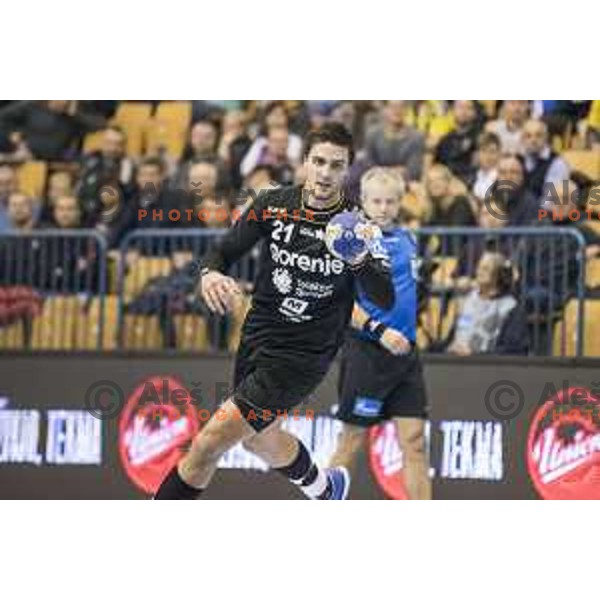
(153, 199)
(21, 212)
(47, 130)
(544, 169)
(550, 266)
(214, 214)
(511, 193)
(110, 158)
(66, 213)
(275, 154)
(276, 117)
(60, 183)
(509, 128)
(70, 262)
(202, 180)
(234, 144)
(8, 186)
(149, 183)
(562, 116)
(449, 208)
(457, 149)
(490, 321)
(202, 145)
(395, 143)
(116, 216)
(567, 209)
(260, 180)
(486, 172)
(345, 114)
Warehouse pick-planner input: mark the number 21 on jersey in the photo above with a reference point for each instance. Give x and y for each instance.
(280, 228)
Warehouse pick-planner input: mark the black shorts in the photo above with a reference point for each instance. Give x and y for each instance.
(375, 385)
(267, 383)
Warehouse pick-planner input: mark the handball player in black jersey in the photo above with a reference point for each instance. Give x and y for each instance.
(300, 310)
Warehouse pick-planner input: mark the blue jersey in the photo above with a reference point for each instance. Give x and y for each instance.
(401, 248)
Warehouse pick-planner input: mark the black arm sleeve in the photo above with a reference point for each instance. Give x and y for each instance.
(375, 279)
(238, 240)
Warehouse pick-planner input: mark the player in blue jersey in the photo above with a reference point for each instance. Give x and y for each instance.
(381, 376)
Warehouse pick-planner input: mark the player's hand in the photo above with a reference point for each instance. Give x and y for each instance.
(219, 291)
(395, 342)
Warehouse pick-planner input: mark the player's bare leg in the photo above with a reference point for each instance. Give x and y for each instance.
(411, 437)
(280, 449)
(286, 454)
(274, 445)
(349, 443)
(192, 475)
(225, 429)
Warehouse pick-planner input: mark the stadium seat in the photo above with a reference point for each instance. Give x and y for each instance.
(162, 136)
(133, 113)
(55, 328)
(175, 113)
(141, 333)
(586, 161)
(89, 325)
(133, 118)
(141, 272)
(92, 142)
(565, 331)
(435, 323)
(169, 128)
(12, 337)
(32, 178)
(594, 226)
(443, 276)
(191, 333)
(592, 273)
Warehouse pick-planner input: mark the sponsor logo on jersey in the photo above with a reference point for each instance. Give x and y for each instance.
(283, 281)
(563, 446)
(318, 234)
(325, 264)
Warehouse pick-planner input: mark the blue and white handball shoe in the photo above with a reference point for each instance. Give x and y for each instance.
(340, 482)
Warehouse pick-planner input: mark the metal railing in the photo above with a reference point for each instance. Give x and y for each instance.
(143, 297)
(52, 289)
(548, 277)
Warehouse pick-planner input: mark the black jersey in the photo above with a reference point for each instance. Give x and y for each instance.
(303, 295)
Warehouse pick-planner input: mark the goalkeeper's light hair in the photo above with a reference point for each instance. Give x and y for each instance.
(386, 176)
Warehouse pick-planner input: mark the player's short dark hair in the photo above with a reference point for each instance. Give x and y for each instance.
(334, 133)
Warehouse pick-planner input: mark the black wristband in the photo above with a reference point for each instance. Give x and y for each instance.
(379, 330)
(374, 327)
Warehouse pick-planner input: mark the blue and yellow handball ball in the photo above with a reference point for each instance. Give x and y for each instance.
(349, 235)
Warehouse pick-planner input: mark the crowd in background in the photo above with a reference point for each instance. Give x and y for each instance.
(451, 154)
